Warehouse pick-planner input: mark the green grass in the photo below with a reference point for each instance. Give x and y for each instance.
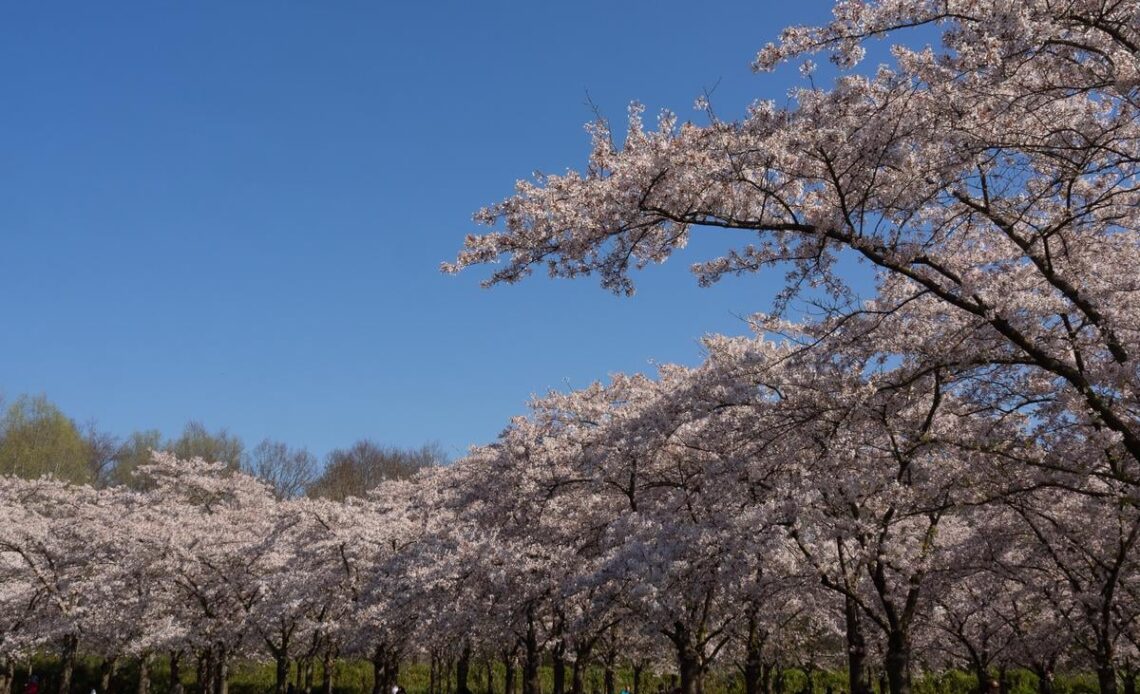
(355, 677)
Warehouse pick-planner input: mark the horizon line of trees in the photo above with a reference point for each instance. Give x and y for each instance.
(690, 523)
(944, 474)
(37, 438)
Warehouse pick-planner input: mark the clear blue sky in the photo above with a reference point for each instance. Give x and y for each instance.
(235, 211)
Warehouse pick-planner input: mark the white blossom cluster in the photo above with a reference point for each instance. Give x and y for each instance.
(943, 474)
(951, 462)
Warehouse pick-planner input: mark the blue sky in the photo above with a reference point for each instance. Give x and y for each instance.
(235, 212)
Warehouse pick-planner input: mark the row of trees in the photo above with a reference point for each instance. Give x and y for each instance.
(945, 473)
(760, 511)
(950, 464)
(36, 438)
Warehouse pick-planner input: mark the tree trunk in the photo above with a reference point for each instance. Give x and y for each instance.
(490, 688)
(175, 673)
(754, 654)
(688, 660)
(7, 674)
(608, 680)
(144, 673)
(328, 670)
(982, 674)
(1106, 678)
(509, 675)
(897, 662)
(107, 670)
(1129, 677)
(67, 663)
(531, 661)
(856, 649)
(638, 671)
(753, 672)
(1104, 660)
(766, 679)
(690, 670)
(385, 669)
(578, 671)
(222, 671)
(309, 671)
(379, 667)
(281, 670)
(558, 665)
(204, 679)
(463, 669)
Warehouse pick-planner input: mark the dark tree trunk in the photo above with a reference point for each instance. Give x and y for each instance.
(766, 678)
(206, 683)
(281, 670)
(578, 671)
(490, 688)
(67, 663)
(558, 665)
(222, 671)
(688, 660)
(7, 674)
(309, 669)
(175, 673)
(1044, 679)
(1129, 677)
(463, 669)
(144, 674)
(754, 654)
(1106, 678)
(856, 649)
(107, 670)
(690, 670)
(509, 674)
(204, 675)
(380, 670)
(609, 682)
(638, 671)
(1105, 665)
(982, 674)
(328, 670)
(752, 673)
(809, 680)
(897, 662)
(531, 682)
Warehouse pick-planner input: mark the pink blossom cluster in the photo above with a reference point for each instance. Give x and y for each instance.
(951, 462)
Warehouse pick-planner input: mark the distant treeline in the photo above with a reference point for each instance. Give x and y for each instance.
(37, 438)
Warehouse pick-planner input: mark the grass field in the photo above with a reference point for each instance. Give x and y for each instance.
(355, 677)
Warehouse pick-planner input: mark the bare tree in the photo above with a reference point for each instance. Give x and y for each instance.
(289, 470)
(102, 446)
(356, 470)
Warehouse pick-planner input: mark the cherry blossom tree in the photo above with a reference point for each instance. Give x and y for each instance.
(47, 531)
(992, 183)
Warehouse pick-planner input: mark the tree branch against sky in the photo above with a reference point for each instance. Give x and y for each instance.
(939, 470)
